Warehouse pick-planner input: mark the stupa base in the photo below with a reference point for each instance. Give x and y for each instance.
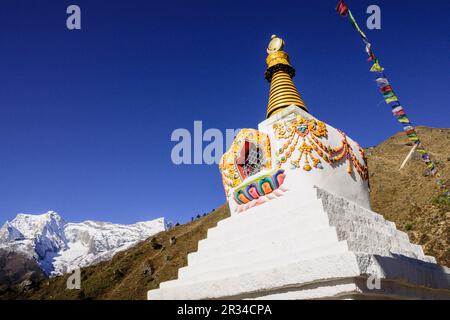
(316, 246)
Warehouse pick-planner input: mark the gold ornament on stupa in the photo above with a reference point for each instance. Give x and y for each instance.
(279, 73)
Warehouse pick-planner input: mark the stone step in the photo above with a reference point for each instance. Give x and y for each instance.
(347, 216)
(254, 237)
(242, 231)
(304, 220)
(257, 257)
(351, 222)
(347, 223)
(302, 240)
(302, 271)
(269, 211)
(430, 259)
(354, 209)
(334, 248)
(389, 239)
(335, 205)
(374, 242)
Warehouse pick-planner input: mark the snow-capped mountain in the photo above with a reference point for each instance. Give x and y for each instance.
(58, 246)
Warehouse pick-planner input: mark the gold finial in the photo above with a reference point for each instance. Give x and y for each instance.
(279, 73)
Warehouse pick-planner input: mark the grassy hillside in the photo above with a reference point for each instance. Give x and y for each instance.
(408, 197)
(18, 272)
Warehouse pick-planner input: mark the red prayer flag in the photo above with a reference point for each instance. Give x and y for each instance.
(342, 8)
(386, 89)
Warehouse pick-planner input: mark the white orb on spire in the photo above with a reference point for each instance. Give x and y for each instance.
(275, 44)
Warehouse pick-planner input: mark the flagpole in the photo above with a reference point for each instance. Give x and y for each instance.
(408, 156)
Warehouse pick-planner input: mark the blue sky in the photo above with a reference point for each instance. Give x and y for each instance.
(86, 116)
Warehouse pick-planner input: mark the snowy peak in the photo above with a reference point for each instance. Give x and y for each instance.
(42, 236)
(31, 225)
(9, 233)
(59, 247)
(93, 241)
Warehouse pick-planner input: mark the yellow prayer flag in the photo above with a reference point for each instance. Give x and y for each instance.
(376, 67)
(421, 151)
(391, 99)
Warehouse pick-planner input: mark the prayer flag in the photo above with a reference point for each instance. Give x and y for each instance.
(376, 67)
(382, 82)
(386, 88)
(342, 8)
(392, 99)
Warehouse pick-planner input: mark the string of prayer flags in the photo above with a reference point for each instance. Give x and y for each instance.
(355, 25)
(387, 91)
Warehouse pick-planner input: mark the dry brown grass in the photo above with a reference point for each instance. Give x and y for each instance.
(406, 196)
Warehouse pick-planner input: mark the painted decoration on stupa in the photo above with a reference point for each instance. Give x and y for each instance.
(305, 146)
(249, 154)
(247, 170)
(263, 185)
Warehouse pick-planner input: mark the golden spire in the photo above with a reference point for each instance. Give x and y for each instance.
(279, 73)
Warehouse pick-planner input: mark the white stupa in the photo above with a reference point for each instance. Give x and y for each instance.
(301, 226)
